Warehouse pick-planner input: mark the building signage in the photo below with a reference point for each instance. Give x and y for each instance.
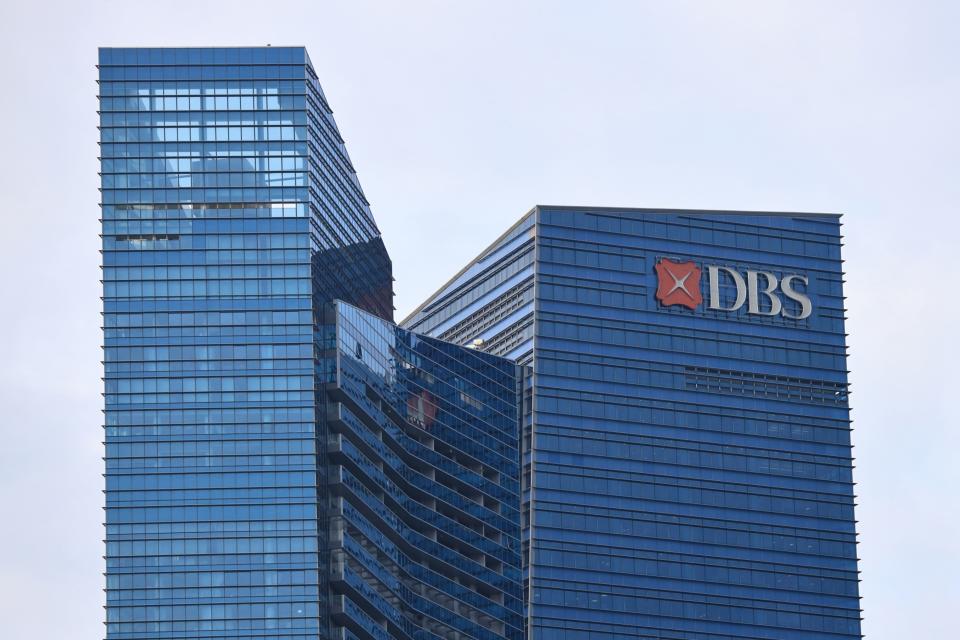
(762, 292)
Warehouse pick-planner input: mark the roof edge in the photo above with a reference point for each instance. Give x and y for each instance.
(668, 210)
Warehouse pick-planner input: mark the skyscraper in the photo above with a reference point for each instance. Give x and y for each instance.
(423, 441)
(687, 468)
(260, 483)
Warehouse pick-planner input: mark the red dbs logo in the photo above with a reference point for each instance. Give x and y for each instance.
(678, 283)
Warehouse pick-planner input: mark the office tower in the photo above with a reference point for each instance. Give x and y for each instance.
(423, 441)
(686, 473)
(232, 219)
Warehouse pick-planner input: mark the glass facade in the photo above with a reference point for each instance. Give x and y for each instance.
(231, 216)
(687, 470)
(423, 443)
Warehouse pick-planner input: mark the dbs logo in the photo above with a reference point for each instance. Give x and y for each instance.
(760, 291)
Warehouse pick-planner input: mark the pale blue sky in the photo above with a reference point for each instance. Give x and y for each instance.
(459, 118)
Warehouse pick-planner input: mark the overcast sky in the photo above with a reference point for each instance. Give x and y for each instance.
(460, 117)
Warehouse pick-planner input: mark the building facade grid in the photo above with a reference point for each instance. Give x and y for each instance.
(687, 473)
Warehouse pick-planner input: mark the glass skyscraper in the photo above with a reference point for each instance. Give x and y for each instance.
(258, 484)
(423, 441)
(686, 472)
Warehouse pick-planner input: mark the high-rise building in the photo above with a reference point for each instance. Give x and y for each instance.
(261, 482)
(686, 472)
(423, 443)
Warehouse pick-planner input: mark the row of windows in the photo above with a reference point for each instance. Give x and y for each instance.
(209, 352)
(173, 273)
(552, 624)
(231, 241)
(741, 587)
(256, 100)
(301, 629)
(193, 88)
(274, 544)
(241, 561)
(206, 149)
(198, 180)
(231, 615)
(251, 335)
(236, 462)
(615, 380)
(744, 233)
(219, 417)
(648, 611)
(170, 596)
(831, 462)
(215, 513)
(209, 430)
(117, 401)
(565, 473)
(201, 134)
(615, 440)
(205, 195)
(186, 384)
(645, 494)
(202, 73)
(205, 119)
(678, 464)
(655, 533)
(209, 319)
(113, 216)
(745, 578)
(198, 55)
(189, 432)
(188, 448)
(207, 288)
(629, 412)
(823, 393)
(685, 461)
(247, 579)
(213, 256)
(207, 495)
(623, 343)
(608, 372)
(177, 529)
(214, 480)
(258, 161)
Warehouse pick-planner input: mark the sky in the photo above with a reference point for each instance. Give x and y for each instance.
(459, 117)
